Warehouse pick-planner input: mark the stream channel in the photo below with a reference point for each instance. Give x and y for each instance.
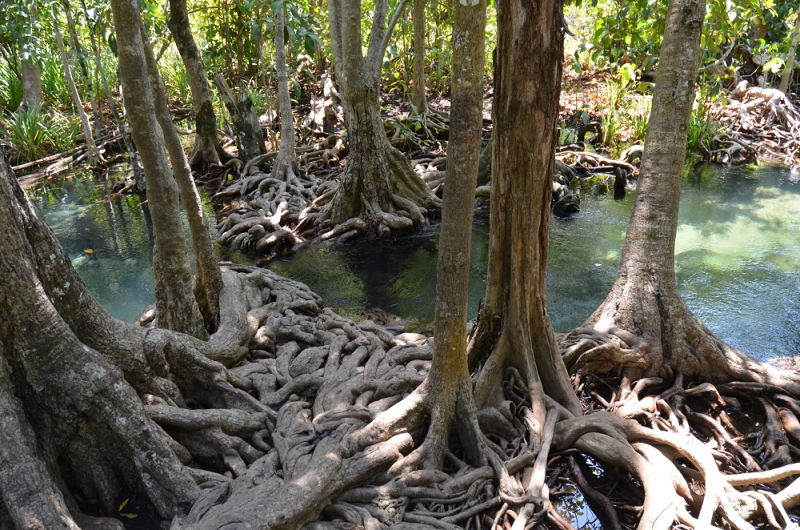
(737, 262)
(737, 257)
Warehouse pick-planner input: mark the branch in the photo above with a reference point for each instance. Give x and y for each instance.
(718, 61)
(379, 38)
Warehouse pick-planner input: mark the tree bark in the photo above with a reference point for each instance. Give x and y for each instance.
(788, 70)
(449, 383)
(380, 194)
(208, 282)
(83, 427)
(418, 96)
(285, 167)
(93, 155)
(249, 136)
(648, 329)
(513, 327)
(87, 78)
(175, 303)
(133, 157)
(207, 149)
(32, 95)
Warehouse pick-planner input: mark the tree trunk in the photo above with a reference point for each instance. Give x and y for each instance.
(32, 95)
(513, 324)
(249, 136)
(207, 149)
(380, 194)
(649, 329)
(285, 167)
(93, 155)
(418, 97)
(208, 283)
(788, 70)
(175, 303)
(133, 157)
(76, 45)
(449, 384)
(83, 428)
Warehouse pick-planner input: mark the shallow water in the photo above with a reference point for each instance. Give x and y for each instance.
(737, 262)
(737, 257)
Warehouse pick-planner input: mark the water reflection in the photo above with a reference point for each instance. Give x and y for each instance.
(108, 237)
(737, 257)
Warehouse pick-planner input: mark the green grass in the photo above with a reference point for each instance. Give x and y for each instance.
(34, 133)
(10, 87)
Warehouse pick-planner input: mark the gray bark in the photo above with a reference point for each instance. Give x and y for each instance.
(133, 157)
(451, 388)
(418, 87)
(93, 155)
(207, 149)
(82, 424)
(208, 283)
(87, 78)
(287, 154)
(175, 303)
(249, 136)
(379, 188)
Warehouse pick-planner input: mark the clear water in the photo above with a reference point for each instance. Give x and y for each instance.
(737, 257)
(108, 237)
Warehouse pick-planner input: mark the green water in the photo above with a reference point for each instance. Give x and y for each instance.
(737, 257)
(108, 237)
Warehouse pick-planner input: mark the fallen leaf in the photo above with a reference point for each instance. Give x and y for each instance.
(89, 251)
(125, 502)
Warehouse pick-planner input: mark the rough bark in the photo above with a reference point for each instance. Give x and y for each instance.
(93, 155)
(513, 327)
(379, 194)
(175, 302)
(133, 157)
(418, 97)
(208, 282)
(207, 149)
(650, 330)
(249, 136)
(76, 403)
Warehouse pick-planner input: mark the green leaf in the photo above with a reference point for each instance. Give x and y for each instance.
(310, 45)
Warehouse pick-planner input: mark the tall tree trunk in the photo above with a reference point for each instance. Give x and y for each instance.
(175, 303)
(285, 167)
(649, 329)
(87, 78)
(207, 149)
(133, 157)
(208, 282)
(449, 384)
(93, 155)
(32, 95)
(380, 194)
(788, 70)
(513, 327)
(418, 97)
(83, 427)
